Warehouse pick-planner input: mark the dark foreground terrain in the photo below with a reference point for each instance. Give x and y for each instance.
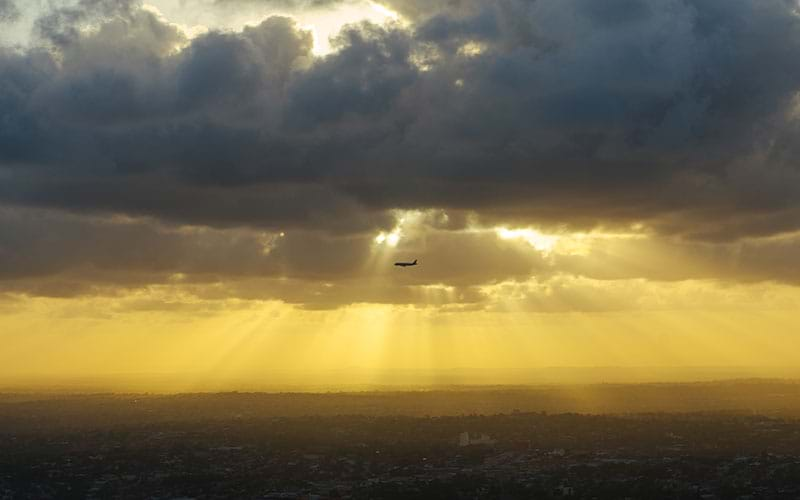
(741, 441)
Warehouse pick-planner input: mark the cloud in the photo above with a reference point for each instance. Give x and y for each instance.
(49, 253)
(9, 12)
(63, 24)
(677, 115)
(635, 117)
(570, 294)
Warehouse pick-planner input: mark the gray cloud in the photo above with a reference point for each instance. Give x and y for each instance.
(632, 117)
(62, 25)
(9, 12)
(48, 253)
(680, 114)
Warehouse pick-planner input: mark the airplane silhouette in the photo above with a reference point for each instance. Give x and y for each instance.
(406, 264)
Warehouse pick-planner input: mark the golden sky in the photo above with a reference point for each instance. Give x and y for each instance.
(214, 192)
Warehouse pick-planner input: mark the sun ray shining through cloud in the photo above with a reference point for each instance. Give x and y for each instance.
(222, 188)
(543, 243)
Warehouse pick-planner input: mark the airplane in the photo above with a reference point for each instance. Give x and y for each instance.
(406, 264)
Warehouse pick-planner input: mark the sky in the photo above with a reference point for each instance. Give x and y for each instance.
(217, 189)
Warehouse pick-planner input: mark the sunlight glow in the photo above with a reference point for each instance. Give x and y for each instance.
(391, 239)
(189, 32)
(221, 345)
(325, 24)
(567, 243)
(541, 242)
(384, 11)
(472, 49)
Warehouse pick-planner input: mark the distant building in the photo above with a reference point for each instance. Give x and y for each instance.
(465, 439)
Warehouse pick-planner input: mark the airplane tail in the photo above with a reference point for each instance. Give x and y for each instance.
(415, 261)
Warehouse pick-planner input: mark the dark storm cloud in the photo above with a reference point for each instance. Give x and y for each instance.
(569, 114)
(640, 110)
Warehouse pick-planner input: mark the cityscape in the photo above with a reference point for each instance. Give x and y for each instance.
(250, 445)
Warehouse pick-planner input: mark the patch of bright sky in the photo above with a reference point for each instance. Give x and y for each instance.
(542, 242)
(190, 31)
(576, 243)
(391, 239)
(408, 221)
(195, 17)
(414, 222)
(324, 22)
(18, 32)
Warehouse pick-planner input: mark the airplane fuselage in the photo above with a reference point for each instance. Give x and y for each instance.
(405, 264)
